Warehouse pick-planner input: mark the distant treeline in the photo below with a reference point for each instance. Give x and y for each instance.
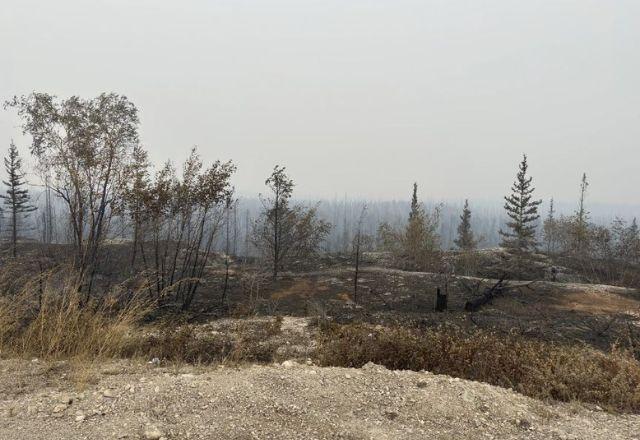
(344, 214)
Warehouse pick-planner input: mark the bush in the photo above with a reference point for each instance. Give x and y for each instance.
(537, 369)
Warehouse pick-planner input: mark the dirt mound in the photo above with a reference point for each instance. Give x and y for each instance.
(289, 401)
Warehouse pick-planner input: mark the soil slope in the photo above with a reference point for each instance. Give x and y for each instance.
(290, 401)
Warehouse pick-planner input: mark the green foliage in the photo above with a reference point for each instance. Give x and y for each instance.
(550, 230)
(466, 240)
(284, 232)
(418, 243)
(522, 211)
(17, 200)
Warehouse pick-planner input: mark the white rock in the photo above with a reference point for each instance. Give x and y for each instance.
(59, 408)
(66, 399)
(152, 433)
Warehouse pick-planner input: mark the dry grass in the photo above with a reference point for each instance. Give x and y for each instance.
(251, 342)
(537, 369)
(50, 319)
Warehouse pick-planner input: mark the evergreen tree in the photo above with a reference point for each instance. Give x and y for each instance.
(550, 229)
(17, 199)
(416, 210)
(465, 240)
(420, 240)
(580, 227)
(522, 211)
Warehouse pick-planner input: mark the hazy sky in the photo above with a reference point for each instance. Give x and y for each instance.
(354, 96)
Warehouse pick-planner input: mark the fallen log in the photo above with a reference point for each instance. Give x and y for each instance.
(488, 295)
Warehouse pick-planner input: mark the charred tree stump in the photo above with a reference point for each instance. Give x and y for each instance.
(441, 301)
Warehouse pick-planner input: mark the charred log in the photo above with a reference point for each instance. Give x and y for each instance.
(488, 295)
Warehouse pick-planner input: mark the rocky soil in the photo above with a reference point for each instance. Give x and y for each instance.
(135, 400)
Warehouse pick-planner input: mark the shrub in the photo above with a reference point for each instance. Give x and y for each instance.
(534, 368)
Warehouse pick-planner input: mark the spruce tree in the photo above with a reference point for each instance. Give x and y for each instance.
(580, 227)
(550, 229)
(421, 242)
(416, 209)
(522, 210)
(465, 240)
(17, 199)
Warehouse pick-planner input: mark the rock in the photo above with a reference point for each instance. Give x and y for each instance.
(523, 424)
(66, 399)
(59, 408)
(108, 394)
(370, 366)
(79, 416)
(289, 364)
(422, 384)
(152, 433)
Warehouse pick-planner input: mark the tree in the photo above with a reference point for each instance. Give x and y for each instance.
(279, 215)
(550, 229)
(230, 205)
(580, 227)
(633, 241)
(522, 211)
(626, 239)
(420, 241)
(17, 199)
(416, 210)
(86, 146)
(466, 240)
(357, 248)
(284, 232)
(135, 196)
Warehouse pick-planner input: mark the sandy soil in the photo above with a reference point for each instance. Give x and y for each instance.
(129, 400)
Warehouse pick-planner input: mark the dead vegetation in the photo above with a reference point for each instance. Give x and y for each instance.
(51, 319)
(537, 369)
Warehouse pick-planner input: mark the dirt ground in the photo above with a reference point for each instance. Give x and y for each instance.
(596, 315)
(129, 400)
